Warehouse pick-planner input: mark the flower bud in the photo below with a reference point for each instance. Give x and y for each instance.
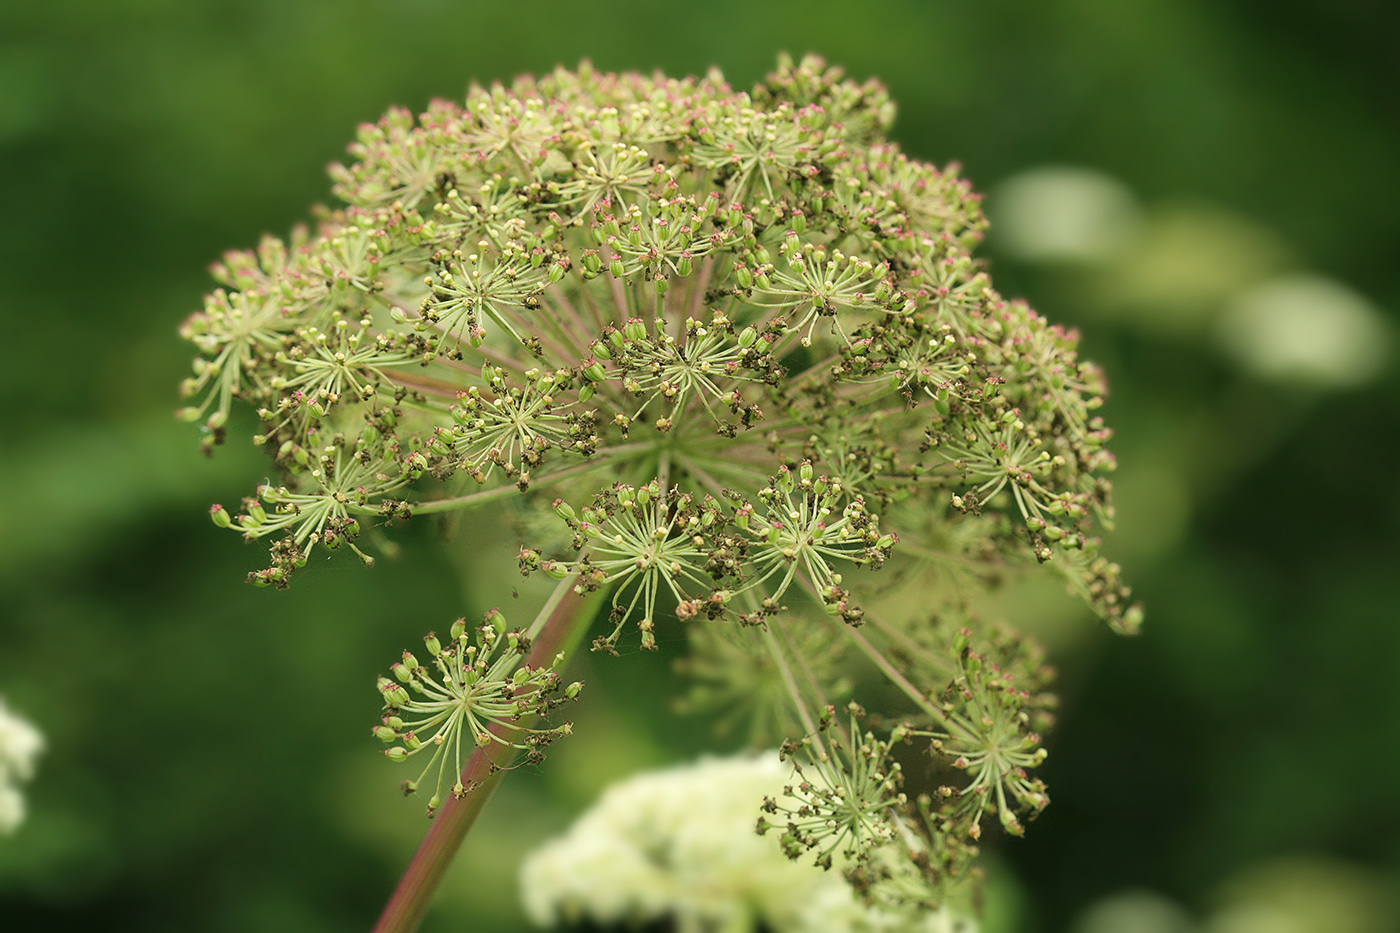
(220, 516)
(394, 695)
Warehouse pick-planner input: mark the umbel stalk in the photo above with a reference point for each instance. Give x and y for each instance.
(566, 616)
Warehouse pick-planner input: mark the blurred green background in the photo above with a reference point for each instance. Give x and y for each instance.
(1231, 209)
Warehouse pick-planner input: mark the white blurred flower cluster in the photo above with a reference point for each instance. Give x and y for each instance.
(1193, 268)
(20, 744)
(1306, 892)
(680, 843)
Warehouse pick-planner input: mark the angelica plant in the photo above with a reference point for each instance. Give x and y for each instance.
(735, 348)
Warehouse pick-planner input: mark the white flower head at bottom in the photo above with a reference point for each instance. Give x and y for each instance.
(680, 843)
(20, 745)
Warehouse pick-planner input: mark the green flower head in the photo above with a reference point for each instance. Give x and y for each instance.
(735, 347)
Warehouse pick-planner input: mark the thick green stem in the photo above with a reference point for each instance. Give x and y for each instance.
(564, 620)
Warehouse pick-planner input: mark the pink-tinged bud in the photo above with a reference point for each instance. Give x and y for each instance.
(593, 371)
(497, 620)
(393, 694)
(219, 515)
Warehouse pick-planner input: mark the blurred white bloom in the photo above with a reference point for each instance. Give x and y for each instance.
(1305, 328)
(1257, 918)
(1134, 912)
(11, 809)
(20, 744)
(1063, 214)
(681, 843)
(1305, 893)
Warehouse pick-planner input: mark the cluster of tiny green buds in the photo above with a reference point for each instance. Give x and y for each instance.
(989, 721)
(847, 806)
(800, 531)
(473, 692)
